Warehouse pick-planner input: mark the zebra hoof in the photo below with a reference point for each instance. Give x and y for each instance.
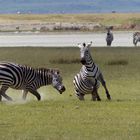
(98, 99)
(38, 97)
(109, 97)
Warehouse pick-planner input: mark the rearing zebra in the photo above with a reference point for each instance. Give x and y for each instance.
(87, 80)
(136, 38)
(27, 79)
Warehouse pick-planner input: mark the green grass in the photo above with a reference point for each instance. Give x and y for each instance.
(64, 117)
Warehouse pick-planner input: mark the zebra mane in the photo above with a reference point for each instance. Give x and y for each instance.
(48, 70)
(55, 71)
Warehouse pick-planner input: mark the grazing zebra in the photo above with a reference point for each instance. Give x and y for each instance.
(27, 79)
(109, 37)
(89, 77)
(136, 38)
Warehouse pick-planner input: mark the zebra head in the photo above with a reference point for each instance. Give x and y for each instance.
(85, 53)
(57, 81)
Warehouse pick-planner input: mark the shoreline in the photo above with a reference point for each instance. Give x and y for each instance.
(69, 22)
(64, 39)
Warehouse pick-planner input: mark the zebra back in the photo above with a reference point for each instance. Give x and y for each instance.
(22, 76)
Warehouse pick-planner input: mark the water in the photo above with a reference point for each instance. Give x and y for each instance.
(68, 6)
(121, 39)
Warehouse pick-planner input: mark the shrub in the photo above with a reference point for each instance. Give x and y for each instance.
(117, 62)
(65, 61)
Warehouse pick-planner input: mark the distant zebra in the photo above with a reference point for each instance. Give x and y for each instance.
(136, 38)
(109, 37)
(89, 77)
(27, 79)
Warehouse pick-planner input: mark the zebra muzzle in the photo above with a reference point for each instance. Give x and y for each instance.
(62, 89)
(83, 61)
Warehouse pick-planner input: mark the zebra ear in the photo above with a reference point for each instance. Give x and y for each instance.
(56, 71)
(84, 44)
(89, 44)
(79, 45)
(51, 71)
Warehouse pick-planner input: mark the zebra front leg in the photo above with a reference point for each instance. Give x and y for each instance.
(35, 93)
(107, 92)
(79, 96)
(101, 79)
(2, 93)
(24, 94)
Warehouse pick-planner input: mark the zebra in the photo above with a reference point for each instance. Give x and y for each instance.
(109, 37)
(27, 79)
(89, 78)
(136, 38)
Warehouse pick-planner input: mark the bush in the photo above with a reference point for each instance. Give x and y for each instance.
(118, 62)
(65, 61)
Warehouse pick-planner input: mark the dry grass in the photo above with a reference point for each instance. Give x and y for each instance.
(112, 18)
(69, 22)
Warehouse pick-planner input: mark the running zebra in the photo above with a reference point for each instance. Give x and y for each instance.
(89, 78)
(109, 37)
(27, 79)
(136, 38)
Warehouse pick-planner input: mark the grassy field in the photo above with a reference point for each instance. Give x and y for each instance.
(103, 19)
(64, 117)
(109, 18)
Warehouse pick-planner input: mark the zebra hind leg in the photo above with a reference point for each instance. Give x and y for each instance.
(95, 95)
(2, 93)
(107, 92)
(108, 95)
(101, 79)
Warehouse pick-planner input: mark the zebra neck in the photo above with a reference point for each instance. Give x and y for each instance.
(48, 79)
(89, 62)
(90, 66)
(45, 78)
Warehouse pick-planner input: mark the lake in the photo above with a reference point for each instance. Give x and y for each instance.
(122, 39)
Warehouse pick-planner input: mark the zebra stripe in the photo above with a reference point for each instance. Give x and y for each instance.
(84, 85)
(136, 38)
(27, 78)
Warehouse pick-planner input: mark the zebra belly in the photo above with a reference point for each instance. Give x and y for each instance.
(82, 86)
